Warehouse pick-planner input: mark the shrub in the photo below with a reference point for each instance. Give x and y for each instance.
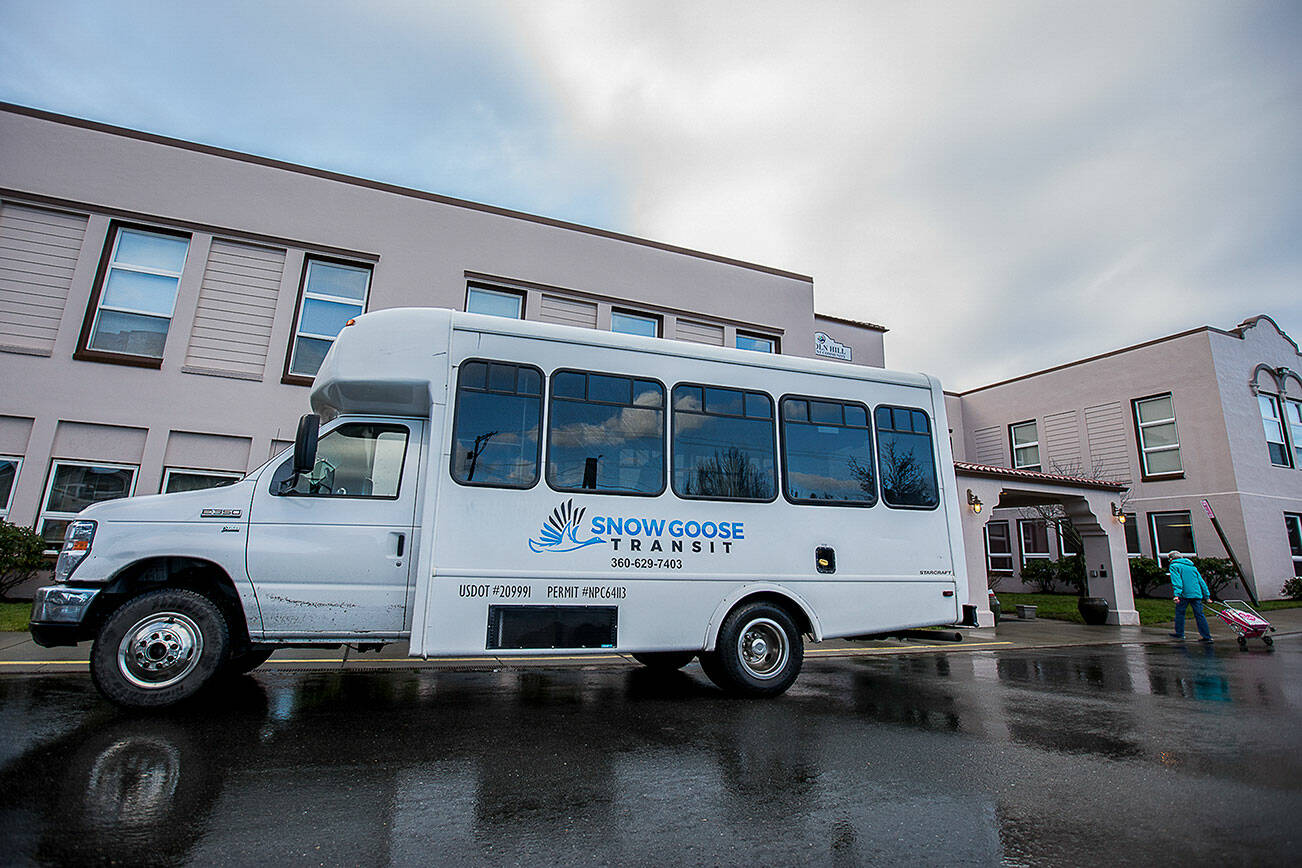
(1071, 572)
(1293, 588)
(20, 556)
(1146, 575)
(1218, 573)
(1041, 573)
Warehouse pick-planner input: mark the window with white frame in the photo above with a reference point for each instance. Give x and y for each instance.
(495, 302)
(1034, 533)
(1293, 419)
(634, 324)
(1171, 531)
(1159, 443)
(1066, 545)
(1272, 421)
(1026, 445)
(756, 343)
(9, 466)
(75, 485)
(185, 479)
(333, 293)
(1293, 526)
(135, 301)
(1132, 536)
(999, 547)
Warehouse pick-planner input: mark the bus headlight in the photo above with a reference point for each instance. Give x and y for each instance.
(76, 545)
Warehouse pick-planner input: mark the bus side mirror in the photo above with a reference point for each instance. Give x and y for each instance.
(309, 428)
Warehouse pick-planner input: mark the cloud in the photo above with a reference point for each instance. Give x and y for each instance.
(1006, 185)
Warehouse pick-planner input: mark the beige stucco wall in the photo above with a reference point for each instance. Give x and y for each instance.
(422, 252)
(1222, 449)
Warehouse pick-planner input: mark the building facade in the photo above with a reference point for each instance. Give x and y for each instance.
(1202, 424)
(165, 305)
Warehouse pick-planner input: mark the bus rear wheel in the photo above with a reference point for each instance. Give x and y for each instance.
(664, 661)
(759, 651)
(159, 648)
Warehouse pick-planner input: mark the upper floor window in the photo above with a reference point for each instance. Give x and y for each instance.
(497, 433)
(494, 302)
(1026, 445)
(606, 433)
(1273, 423)
(827, 452)
(904, 452)
(1159, 444)
(1293, 419)
(333, 293)
(724, 445)
(133, 304)
(757, 343)
(75, 485)
(360, 459)
(634, 324)
(8, 476)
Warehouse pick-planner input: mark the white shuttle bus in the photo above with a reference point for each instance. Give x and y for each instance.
(482, 486)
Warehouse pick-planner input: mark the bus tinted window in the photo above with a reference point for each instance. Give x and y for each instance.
(498, 425)
(606, 433)
(723, 444)
(908, 470)
(827, 452)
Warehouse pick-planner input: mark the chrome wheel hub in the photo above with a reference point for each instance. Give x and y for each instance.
(160, 650)
(762, 648)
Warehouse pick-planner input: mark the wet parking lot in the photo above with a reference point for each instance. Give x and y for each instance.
(1110, 754)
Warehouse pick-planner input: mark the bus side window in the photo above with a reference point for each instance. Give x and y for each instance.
(724, 444)
(606, 433)
(827, 452)
(497, 433)
(907, 465)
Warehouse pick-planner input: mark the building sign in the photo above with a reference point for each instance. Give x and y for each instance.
(1207, 507)
(826, 346)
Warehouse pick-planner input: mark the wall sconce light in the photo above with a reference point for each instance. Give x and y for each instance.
(973, 502)
(1118, 515)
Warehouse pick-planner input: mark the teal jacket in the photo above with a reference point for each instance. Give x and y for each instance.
(1187, 582)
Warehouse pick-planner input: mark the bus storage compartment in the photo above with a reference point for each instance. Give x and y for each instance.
(534, 627)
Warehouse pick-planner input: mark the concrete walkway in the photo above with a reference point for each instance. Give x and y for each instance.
(19, 654)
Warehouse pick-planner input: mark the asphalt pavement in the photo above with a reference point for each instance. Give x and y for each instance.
(18, 653)
(1066, 746)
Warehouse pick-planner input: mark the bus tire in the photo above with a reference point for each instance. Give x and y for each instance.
(758, 652)
(159, 648)
(664, 661)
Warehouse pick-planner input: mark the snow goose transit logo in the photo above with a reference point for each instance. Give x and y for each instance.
(560, 532)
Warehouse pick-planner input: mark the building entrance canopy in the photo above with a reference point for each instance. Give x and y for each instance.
(1092, 505)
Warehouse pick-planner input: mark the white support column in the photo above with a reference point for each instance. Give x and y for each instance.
(1107, 569)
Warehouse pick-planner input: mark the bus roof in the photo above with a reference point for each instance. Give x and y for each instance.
(382, 362)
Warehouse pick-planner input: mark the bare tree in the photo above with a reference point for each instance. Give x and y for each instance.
(731, 473)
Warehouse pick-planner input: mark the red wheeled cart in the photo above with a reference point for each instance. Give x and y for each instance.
(1245, 621)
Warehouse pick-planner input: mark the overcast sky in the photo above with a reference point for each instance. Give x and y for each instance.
(1006, 185)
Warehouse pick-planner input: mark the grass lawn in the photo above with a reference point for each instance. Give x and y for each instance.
(13, 616)
(1062, 607)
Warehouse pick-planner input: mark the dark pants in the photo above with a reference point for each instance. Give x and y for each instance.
(1201, 621)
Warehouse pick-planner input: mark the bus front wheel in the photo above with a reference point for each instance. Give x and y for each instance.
(759, 651)
(159, 648)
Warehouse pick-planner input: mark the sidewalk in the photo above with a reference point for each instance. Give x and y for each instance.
(19, 654)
